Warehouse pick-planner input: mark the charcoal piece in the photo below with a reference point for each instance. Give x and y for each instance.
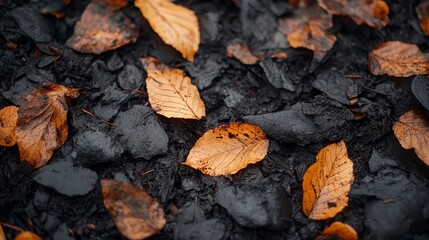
(420, 90)
(335, 86)
(277, 75)
(32, 23)
(204, 71)
(131, 77)
(110, 103)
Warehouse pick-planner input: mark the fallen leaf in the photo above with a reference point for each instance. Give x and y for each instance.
(2, 235)
(398, 59)
(327, 182)
(101, 29)
(114, 4)
(307, 28)
(27, 236)
(136, 214)
(228, 149)
(171, 92)
(42, 122)
(239, 50)
(422, 10)
(176, 25)
(412, 131)
(373, 13)
(339, 230)
(8, 119)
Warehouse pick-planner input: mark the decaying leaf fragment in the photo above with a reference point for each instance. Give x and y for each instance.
(412, 131)
(27, 236)
(8, 119)
(240, 51)
(171, 92)
(307, 28)
(136, 214)
(327, 182)
(398, 59)
(339, 230)
(42, 122)
(114, 4)
(373, 13)
(422, 10)
(101, 29)
(2, 235)
(176, 25)
(228, 149)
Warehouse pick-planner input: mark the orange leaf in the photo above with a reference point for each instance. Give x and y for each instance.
(27, 236)
(171, 93)
(423, 14)
(340, 230)
(412, 131)
(176, 25)
(42, 123)
(228, 149)
(241, 51)
(398, 59)
(373, 13)
(8, 119)
(2, 235)
(101, 29)
(136, 214)
(327, 182)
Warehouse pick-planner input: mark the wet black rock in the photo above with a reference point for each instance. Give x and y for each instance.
(192, 224)
(336, 86)
(62, 233)
(66, 178)
(420, 89)
(256, 206)
(131, 77)
(277, 75)
(289, 126)
(32, 23)
(94, 147)
(141, 132)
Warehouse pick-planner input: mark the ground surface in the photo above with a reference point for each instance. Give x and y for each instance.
(389, 198)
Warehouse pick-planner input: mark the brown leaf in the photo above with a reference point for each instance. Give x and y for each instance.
(412, 131)
(228, 149)
(136, 214)
(327, 182)
(176, 25)
(2, 235)
(423, 14)
(27, 236)
(42, 123)
(339, 230)
(398, 59)
(8, 119)
(101, 29)
(240, 51)
(373, 13)
(307, 28)
(171, 92)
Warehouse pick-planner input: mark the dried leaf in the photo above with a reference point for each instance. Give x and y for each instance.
(171, 92)
(176, 25)
(339, 230)
(2, 235)
(308, 29)
(27, 236)
(136, 214)
(8, 119)
(228, 149)
(398, 59)
(412, 131)
(373, 13)
(240, 51)
(101, 29)
(327, 182)
(423, 14)
(42, 123)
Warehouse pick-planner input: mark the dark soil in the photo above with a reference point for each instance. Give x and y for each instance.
(303, 112)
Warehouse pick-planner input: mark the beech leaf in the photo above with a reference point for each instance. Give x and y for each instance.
(239, 50)
(327, 182)
(42, 122)
(26, 235)
(8, 119)
(422, 10)
(412, 131)
(339, 230)
(171, 92)
(136, 214)
(373, 13)
(398, 59)
(176, 25)
(228, 149)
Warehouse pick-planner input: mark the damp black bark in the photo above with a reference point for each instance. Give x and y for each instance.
(301, 112)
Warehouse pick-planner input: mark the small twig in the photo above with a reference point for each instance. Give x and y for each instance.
(95, 116)
(12, 226)
(147, 172)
